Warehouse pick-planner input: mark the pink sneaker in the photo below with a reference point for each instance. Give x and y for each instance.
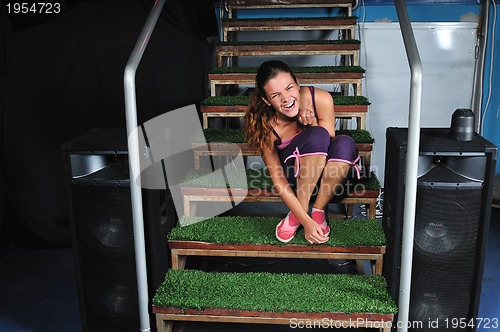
(284, 231)
(319, 217)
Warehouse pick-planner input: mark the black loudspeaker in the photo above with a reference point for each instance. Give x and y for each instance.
(102, 233)
(454, 193)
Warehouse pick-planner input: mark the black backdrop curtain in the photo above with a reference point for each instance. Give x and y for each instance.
(62, 76)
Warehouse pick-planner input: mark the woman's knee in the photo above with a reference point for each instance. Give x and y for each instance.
(343, 147)
(315, 139)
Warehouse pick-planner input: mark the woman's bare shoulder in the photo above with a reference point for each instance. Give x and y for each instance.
(323, 95)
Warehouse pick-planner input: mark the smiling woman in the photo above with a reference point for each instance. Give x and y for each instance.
(294, 128)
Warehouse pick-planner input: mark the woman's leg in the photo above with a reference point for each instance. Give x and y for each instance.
(331, 183)
(311, 168)
(342, 154)
(303, 161)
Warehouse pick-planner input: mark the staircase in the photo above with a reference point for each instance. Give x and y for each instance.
(331, 300)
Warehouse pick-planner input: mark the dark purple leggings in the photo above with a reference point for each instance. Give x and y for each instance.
(316, 141)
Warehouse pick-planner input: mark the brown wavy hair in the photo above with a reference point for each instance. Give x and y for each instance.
(258, 117)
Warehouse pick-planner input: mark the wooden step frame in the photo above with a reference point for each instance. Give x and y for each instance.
(234, 5)
(180, 250)
(191, 196)
(224, 51)
(358, 112)
(347, 24)
(244, 149)
(165, 318)
(353, 78)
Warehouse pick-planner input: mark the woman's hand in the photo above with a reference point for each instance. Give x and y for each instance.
(313, 233)
(306, 117)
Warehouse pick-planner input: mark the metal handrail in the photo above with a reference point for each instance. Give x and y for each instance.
(478, 83)
(134, 162)
(411, 163)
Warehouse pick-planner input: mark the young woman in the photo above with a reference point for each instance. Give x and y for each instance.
(294, 128)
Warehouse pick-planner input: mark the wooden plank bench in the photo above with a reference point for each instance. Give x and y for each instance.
(209, 238)
(265, 298)
(346, 24)
(234, 5)
(348, 48)
(352, 75)
(357, 112)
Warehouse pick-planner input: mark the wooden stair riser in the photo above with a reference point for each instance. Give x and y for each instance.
(165, 321)
(354, 79)
(243, 149)
(341, 111)
(224, 51)
(347, 24)
(180, 250)
(234, 5)
(192, 196)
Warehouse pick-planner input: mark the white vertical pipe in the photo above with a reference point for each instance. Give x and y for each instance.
(411, 163)
(133, 152)
(478, 86)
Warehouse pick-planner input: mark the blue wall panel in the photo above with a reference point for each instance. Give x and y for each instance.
(428, 13)
(491, 103)
(420, 2)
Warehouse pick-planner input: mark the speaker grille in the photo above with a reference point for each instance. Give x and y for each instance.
(446, 231)
(436, 296)
(446, 221)
(106, 221)
(112, 296)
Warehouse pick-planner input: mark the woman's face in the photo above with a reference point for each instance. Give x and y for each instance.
(283, 93)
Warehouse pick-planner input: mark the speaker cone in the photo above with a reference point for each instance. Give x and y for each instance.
(108, 224)
(437, 296)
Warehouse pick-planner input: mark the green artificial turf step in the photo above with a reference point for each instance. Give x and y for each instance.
(296, 70)
(347, 47)
(233, 5)
(354, 43)
(236, 106)
(246, 236)
(260, 230)
(290, 19)
(272, 292)
(253, 186)
(254, 179)
(236, 136)
(344, 23)
(225, 148)
(298, 21)
(232, 142)
(288, 3)
(352, 75)
(245, 100)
